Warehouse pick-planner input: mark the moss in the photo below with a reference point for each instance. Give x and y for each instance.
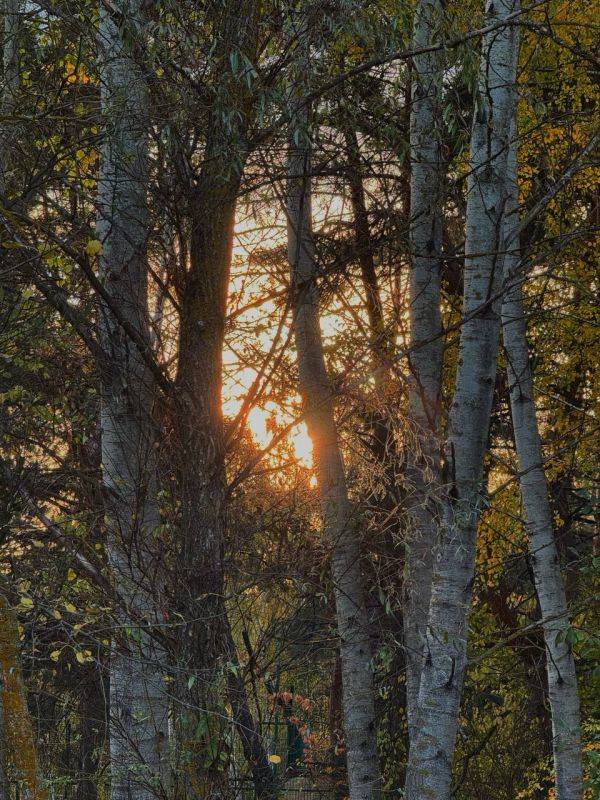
(19, 740)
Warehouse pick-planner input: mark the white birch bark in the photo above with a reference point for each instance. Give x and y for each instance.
(431, 754)
(426, 187)
(138, 703)
(560, 665)
(339, 522)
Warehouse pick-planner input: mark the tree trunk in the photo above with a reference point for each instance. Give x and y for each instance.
(200, 477)
(17, 742)
(382, 452)
(426, 344)
(138, 701)
(383, 447)
(339, 517)
(11, 79)
(92, 725)
(206, 641)
(444, 664)
(18, 745)
(207, 657)
(381, 346)
(560, 665)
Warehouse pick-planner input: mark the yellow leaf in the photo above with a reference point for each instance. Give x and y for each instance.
(70, 607)
(56, 614)
(93, 247)
(55, 655)
(80, 657)
(71, 575)
(26, 602)
(274, 759)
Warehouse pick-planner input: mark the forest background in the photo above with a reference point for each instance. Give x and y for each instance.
(298, 369)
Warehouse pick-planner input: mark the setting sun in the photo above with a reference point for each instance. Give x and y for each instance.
(258, 423)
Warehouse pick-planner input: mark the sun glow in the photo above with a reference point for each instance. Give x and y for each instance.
(262, 422)
(260, 322)
(266, 418)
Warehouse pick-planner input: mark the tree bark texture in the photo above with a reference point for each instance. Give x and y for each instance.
(339, 517)
(206, 650)
(560, 664)
(18, 741)
(138, 699)
(426, 344)
(445, 651)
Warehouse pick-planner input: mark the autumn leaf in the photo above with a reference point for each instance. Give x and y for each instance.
(93, 247)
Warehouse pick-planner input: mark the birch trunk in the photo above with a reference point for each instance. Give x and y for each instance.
(138, 701)
(426, 344)
(560, 665)
(431, 754)
(339, 521)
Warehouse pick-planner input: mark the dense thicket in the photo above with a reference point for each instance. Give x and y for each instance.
(298, 371)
